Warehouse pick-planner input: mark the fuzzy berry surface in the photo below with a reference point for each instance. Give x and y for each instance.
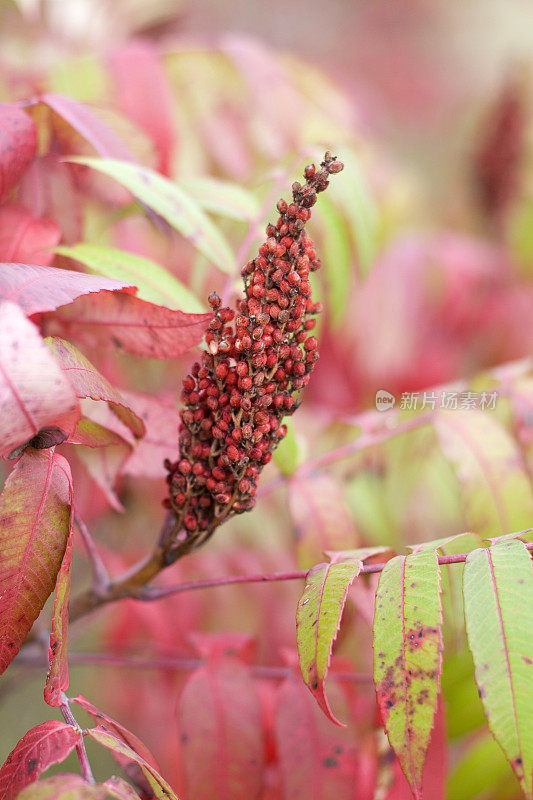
(258, 358)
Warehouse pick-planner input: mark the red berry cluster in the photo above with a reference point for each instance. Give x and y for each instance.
(256, 359)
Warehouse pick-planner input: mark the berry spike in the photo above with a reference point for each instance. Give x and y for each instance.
(257, 357)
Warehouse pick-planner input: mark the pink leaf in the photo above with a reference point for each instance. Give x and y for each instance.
(48, 190)
(18, 145)
(110, 725)
(35, 508)
(80, 117)
(220, 722)
(143, 94)
(46, 744)
(88, 382)
(104, 465)
(133, 325)
(34, 392)
(434, 774)
(57, 679)
(321, 518)
(26, 238)
(36, 288)
(161, 423)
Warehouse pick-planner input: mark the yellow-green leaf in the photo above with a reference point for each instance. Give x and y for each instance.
(154, 282)
(498, 598)
(408, 656)
(172, 203)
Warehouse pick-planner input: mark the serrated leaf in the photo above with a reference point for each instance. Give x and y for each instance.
(159, 786)
(438, 544)
(34, 392)
(318, 617)
(35, 508)
(498, 597)
(88, 382)
(407, 656)
(154, 282)
(222, 197)
(46, 744)
(132, 325)
(497, 493)
(36, 289)
(18, 145)
(172, 203)
(57, 679)
(219, 719)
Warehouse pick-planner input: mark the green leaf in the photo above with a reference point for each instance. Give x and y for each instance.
(161, 789)
(63, 787)
(496, 491)
(170, 202)
(480, 772)
(407, 656)
(498, 598)
(337, 259)
(318, 617)
(222, 197)
(290, 452)
(351, 192)
(154, 282)
(319, 614)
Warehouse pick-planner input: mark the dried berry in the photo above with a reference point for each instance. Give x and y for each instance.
(235, 400)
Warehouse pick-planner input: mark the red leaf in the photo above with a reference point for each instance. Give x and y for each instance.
(18, 145)
(220, 722)
(161, 423)
(80, 117)
(26, 238)
(46, 744)
(35, 508)
(110, 725)
(36, 289)
(57, 680)
(88, 382)
(34, 392)
(143, 94)
(136, 326)
(316, 758)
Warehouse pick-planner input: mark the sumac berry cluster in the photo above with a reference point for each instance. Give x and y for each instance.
(256, 358)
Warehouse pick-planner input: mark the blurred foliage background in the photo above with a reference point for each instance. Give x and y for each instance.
(427, 247)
